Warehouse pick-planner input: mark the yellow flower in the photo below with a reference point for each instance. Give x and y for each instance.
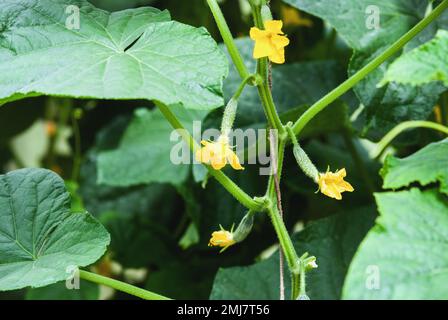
(218, 154)
(293, 17)
(270, 42)
(333, 184)
(221, 238)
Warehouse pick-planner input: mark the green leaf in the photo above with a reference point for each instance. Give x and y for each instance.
(424, 64)
(295, 87)
(130, 54)
(144, 153)
(404, 255)
(58, 291)
(39, 237)
(332, 240)
(115, 5)
(387, 106)
(349, 18)
(426, 166)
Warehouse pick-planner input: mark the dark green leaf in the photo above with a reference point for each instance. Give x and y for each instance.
(332, 240)
(144, 154)
(426, 166)
(40, 238)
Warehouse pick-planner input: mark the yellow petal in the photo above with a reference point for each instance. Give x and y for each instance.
(333, 184)
(342, 173)
(263, 48)
(256, 33)
(221, 238)
(278, 56)
(345, 186)
(218, 163)
(274, 26)
(280, 41)
(331, 191)
(232, 158)
(203, 155)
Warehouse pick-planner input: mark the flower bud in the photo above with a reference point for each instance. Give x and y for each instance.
(310, 263)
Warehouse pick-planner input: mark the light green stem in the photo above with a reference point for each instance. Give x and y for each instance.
(225, 181)
(391, 135)
(121, 286)
(285, 241)
(295, 285)
(361, 74)
(302, 279)
(228, 39)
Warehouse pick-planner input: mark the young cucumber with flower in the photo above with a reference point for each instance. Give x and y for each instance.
(269, 47)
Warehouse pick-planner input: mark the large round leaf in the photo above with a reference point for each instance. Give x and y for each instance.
(130, 54)
(39, 237)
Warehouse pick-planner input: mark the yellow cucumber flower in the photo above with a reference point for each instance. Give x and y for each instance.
(218, 154)
(222, 238)
(333, 184)
(270, 42)
(293, 17)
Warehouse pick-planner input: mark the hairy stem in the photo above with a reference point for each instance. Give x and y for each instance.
(121, 286)
(285, 240)
(275, 178)
(361, 74)
(228, 39)
(224, 180)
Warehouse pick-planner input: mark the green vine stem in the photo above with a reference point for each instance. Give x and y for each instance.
(361, 74)
(391, 135)
(264, 90)
(228, 39)
(295, 285)
(224, 180)
(121, 286)
(285, 241)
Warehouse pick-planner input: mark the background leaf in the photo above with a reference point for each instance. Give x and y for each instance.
(387, 106)
(408, 248)
(144, 154)
(40, 237)
(332, 240)
(426, 166)
(424, 64)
